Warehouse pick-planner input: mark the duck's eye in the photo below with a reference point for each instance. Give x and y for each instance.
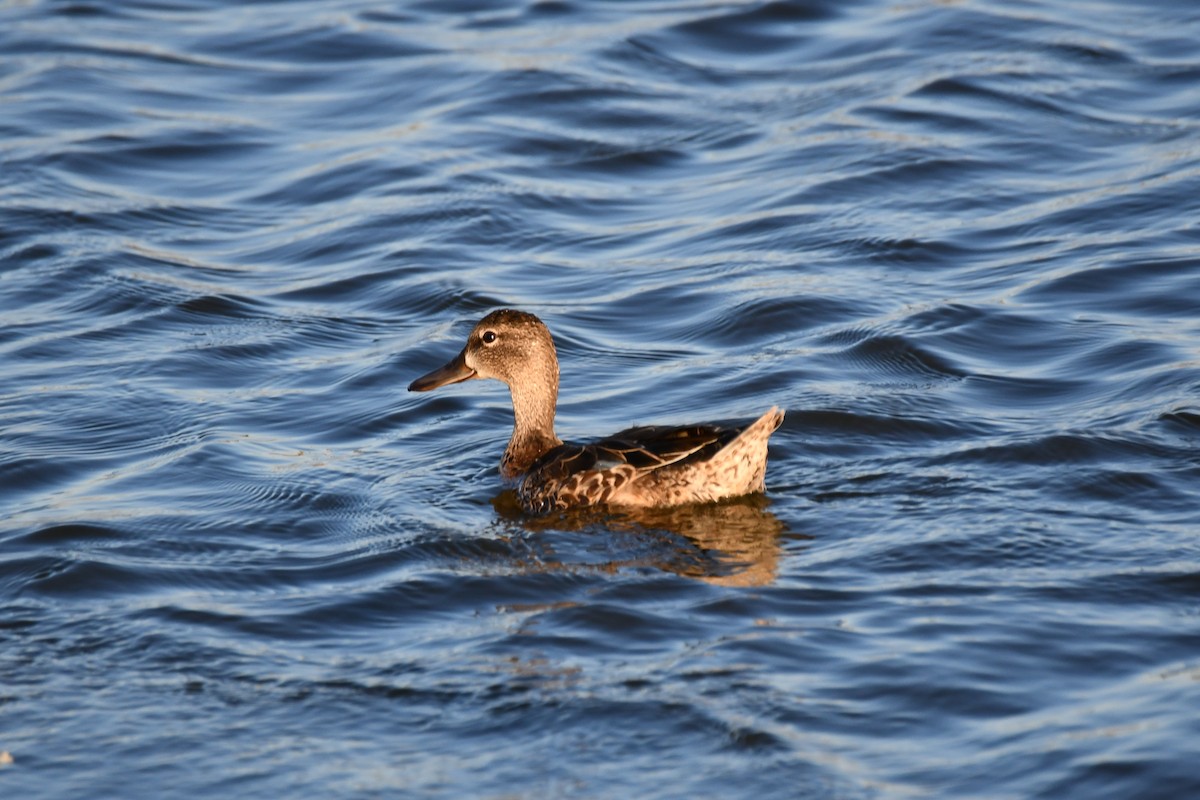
(489, 337)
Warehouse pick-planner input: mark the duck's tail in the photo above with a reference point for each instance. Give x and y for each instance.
(744, 460)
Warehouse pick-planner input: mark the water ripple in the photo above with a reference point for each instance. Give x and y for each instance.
(956, 242)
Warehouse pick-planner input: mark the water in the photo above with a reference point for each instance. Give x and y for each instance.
(957, 241)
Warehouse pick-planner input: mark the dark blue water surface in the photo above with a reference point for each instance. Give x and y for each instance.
(958, 241)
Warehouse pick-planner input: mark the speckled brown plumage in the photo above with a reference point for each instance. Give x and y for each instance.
(645, 466)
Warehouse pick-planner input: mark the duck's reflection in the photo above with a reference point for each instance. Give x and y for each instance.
(731, 543)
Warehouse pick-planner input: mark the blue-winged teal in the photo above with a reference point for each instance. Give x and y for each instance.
(647, 466)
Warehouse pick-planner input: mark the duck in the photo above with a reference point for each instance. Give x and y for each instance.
(646, 466)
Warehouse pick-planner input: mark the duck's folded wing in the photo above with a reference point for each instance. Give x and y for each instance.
(635, 450)
(652, 447)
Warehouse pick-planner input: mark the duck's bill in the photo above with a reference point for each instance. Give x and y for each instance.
(454, 372)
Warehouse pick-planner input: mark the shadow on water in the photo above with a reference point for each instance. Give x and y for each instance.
(731, 543)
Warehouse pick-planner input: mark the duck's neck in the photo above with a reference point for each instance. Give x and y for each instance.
(533, 436)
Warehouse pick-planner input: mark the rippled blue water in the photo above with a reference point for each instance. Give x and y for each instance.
(957, 241)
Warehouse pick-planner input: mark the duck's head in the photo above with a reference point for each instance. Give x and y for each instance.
(507, 345)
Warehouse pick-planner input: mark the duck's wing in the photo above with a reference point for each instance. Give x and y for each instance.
(587, 474)
(655, 446)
